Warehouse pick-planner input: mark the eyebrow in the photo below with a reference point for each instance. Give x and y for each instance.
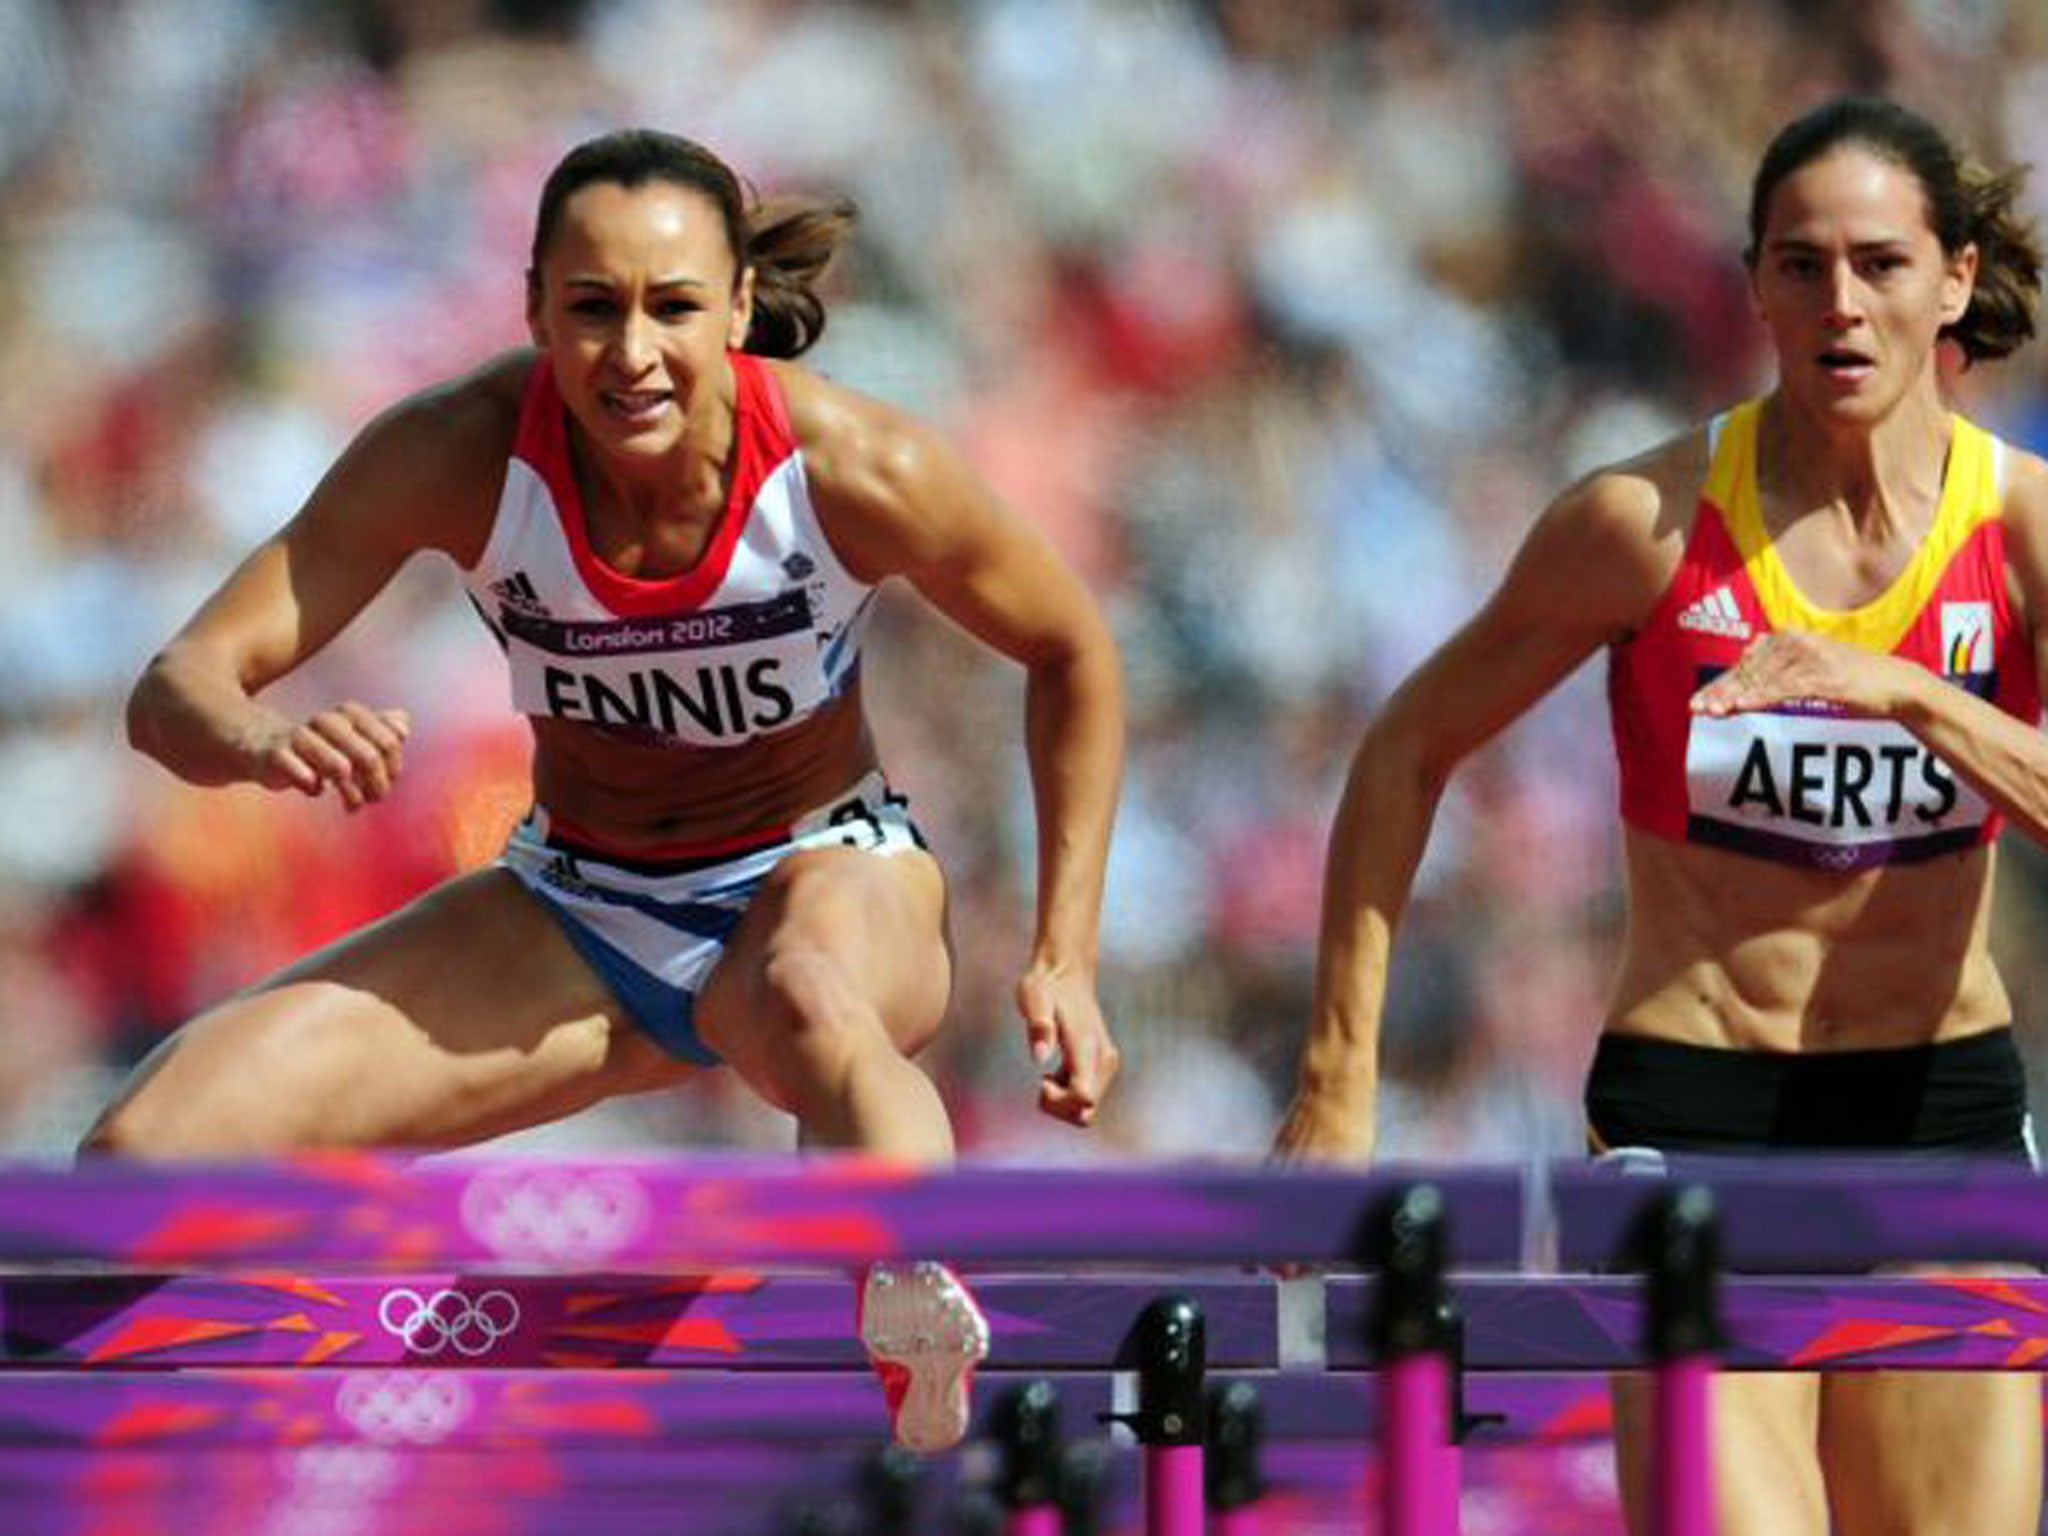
(592, 280)
(1792, 244)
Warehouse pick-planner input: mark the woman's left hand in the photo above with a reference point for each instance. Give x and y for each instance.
(1790, 665)
(1069, 1041)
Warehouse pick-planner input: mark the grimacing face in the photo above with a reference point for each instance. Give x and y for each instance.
(636, 305)
(1853, 284)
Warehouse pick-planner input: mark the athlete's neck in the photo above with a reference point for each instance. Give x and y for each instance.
(654, 514)
(1882, 479)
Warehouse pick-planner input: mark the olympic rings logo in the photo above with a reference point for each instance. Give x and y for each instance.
(471, 1326)
(554, 1216)
(409, 1407)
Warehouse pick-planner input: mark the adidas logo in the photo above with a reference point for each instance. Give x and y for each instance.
(560, 872)
(517, 592)
(1715, 614)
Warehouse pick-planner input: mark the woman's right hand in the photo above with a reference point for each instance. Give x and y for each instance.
(1321, 1128)
(356, 749)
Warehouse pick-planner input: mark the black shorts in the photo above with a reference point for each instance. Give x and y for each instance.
(1964, 1097)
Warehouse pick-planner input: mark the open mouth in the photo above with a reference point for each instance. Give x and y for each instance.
(1846, 364)
(636, 405)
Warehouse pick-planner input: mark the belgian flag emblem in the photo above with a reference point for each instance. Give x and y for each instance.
(1966, 638)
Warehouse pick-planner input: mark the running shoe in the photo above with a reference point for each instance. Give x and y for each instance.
(925, 1336)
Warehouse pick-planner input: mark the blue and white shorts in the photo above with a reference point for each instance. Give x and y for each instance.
(654, 928)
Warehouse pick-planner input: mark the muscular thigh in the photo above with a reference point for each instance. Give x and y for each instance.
(1767, 1478)
(463, 1015)
(875, 921)
(1933, 1453)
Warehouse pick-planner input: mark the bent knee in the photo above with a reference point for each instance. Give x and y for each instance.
(220, 1087)
(105, 1137)
(134, 1130)
(811, 1023)
(812, 1003)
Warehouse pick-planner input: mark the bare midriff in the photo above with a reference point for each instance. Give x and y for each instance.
(1731, 951)
(635, 796)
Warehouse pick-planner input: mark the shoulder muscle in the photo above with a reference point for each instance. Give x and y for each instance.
(425, 473)
(889, 489)
(1601, 555)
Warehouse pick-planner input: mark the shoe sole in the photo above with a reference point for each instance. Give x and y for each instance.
(923, 1331)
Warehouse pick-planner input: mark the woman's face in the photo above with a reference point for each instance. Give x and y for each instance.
(1853, 283)
(636, 305)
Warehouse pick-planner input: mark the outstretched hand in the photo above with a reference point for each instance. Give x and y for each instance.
(1069, 1042)
(358, 750)
(1790, 665)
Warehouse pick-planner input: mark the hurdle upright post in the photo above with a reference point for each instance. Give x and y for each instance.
(1677, 1245)
(890, 1484)
(1025, 1426)
(1172, 1352)
(1234, 1478)
(1414, 1339)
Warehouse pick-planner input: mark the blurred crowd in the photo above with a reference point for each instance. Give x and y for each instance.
(1283, 317)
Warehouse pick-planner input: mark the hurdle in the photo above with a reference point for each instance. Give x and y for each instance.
(607, 1334)
(636, 1235)
(140, 1325)
(637, 1215)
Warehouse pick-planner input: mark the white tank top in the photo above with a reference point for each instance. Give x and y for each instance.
(763, 630)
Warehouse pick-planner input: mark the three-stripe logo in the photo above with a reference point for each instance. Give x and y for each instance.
(1715, 614)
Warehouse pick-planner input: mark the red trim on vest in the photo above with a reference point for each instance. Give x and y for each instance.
(771, 412)
(762, 441)
(1652, 676)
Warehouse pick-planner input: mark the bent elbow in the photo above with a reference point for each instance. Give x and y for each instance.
(148, 701)
(1400, 750)
(138, 717)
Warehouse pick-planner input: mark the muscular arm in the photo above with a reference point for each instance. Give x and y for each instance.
(408, 482)
(2004, 759)
(897, 500)
(1590, 570)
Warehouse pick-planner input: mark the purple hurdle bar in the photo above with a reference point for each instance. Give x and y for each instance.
(1595, 1322)
(200, 1409)
(1820, 1216)
(620, 1215)
(747, 1319)
(447, 1319)
(1317, 1488)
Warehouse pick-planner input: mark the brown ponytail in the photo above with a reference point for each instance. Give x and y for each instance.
(790, 242)
(2004, 305)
